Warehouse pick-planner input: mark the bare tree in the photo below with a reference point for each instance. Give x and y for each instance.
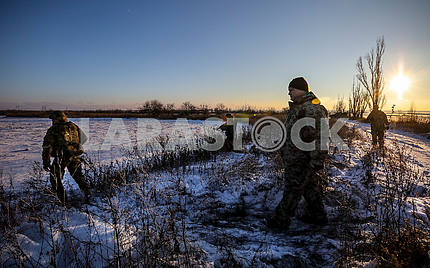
(220, 107)
(145, 107)
(188, 106)
(373, 79)
(204, 108)
(156, 106)
(153, 106)
(340, 106)
(169, 106)
(358, 101)
(364, 104)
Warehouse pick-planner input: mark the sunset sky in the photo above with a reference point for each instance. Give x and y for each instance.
(122, 53)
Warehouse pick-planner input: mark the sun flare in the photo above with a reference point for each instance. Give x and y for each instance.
(400, 83)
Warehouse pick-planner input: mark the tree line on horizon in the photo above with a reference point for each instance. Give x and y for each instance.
(157, 107)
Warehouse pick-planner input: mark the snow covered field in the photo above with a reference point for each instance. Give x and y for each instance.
(219, 205)
(21, 141)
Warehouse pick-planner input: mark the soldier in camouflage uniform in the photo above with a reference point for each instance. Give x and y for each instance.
(378, 124)
(229, 133)
(63, 141)
(301, 167)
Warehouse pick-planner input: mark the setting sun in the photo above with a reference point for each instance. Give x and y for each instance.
(400, 83)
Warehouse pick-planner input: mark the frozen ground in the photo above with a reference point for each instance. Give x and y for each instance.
(222, 203)
(21, 141)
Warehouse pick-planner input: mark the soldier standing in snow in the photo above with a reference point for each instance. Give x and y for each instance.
(63, 141)
(301, 167)
(378, 124)
(228, 129)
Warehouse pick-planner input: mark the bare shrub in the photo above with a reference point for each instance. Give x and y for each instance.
(394, 233)
(411, 121)
(134, 221)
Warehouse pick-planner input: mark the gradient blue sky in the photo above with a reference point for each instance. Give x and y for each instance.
(119, 53)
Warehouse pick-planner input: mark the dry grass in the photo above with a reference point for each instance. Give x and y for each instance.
(146, 222)
(393, 234)
(413, 124)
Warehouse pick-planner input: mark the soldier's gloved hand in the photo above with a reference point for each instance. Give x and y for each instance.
(316, 165)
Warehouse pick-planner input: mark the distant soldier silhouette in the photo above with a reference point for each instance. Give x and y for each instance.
(301, 167)
(63, 141)
(378, 124)
(228, 129)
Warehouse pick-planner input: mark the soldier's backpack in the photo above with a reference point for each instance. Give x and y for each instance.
(69, 138)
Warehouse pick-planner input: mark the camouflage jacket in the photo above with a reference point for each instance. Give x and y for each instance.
(308, 106)
(63, 140)
(378, 120)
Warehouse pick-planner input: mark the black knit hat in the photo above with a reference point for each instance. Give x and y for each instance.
(299, 83)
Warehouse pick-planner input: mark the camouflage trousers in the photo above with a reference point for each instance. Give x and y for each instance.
(378, 137)
(301, 180)
(57, 170)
